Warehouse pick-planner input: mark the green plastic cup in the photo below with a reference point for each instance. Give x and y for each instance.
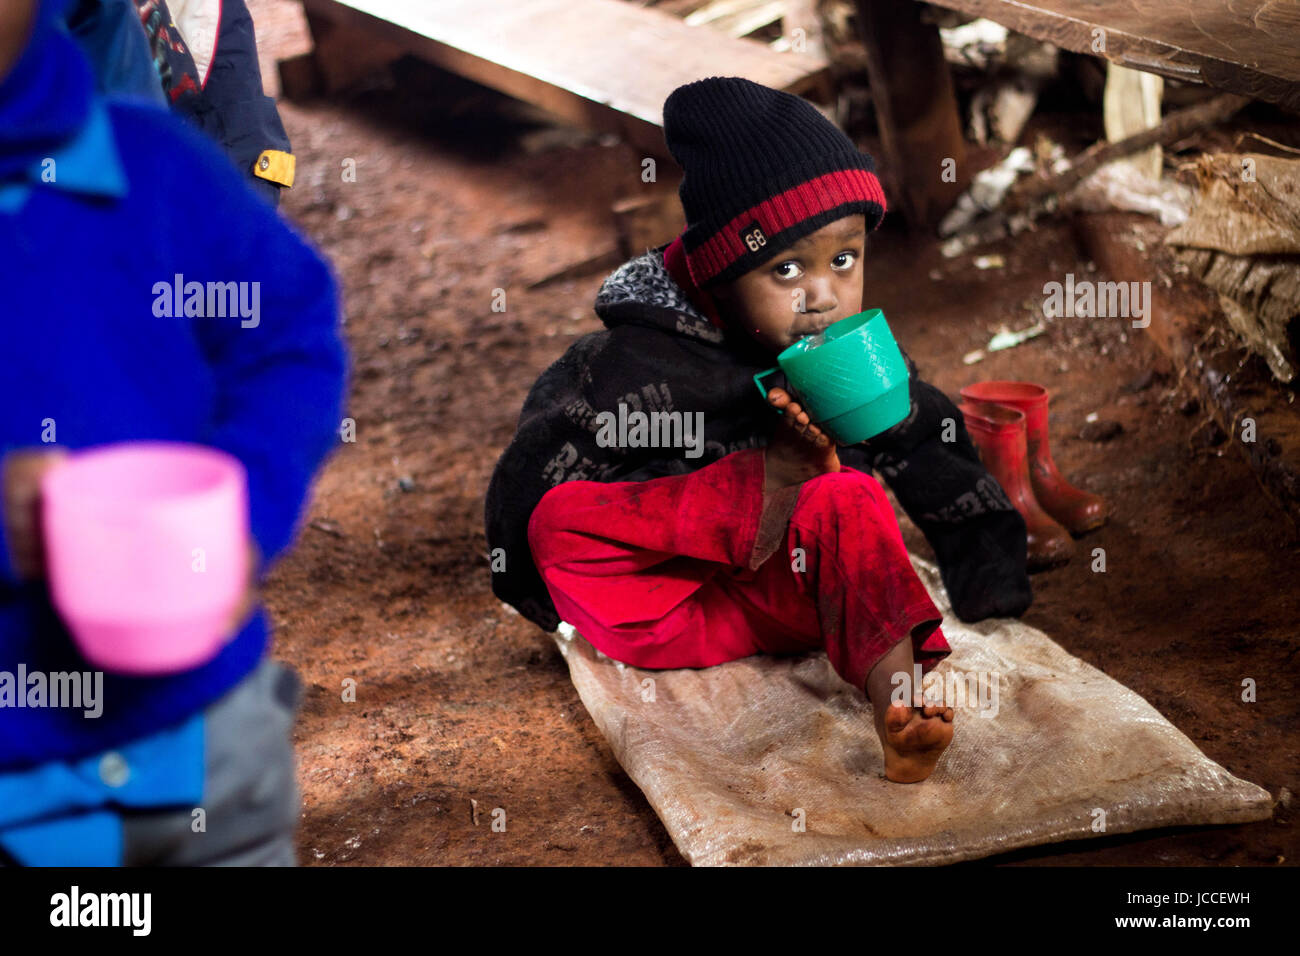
(851, 378)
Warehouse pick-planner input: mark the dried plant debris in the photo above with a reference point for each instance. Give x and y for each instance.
(1242, 240)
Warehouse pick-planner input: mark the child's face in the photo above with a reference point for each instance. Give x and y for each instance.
(822, 273)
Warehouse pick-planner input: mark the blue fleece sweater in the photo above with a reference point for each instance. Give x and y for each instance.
(86, 348)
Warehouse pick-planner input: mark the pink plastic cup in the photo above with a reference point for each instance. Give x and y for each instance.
(147, 552)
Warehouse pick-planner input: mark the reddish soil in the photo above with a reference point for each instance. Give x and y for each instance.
(463, 707)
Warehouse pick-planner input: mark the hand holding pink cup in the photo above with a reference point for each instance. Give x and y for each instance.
(147, 552)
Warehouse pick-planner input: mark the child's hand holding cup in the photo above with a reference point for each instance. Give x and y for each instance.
(851, 379)
(20, 506)
(149, 553)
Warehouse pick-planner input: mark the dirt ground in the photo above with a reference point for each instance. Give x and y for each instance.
(463, 707)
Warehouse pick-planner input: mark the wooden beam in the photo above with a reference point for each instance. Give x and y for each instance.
(1171, 129)
(340, 60)
(1246, 46)
(601, 64)
(300, 78)
(915, 108)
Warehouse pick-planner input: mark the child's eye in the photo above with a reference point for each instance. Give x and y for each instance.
(787, 270)
(844, 261)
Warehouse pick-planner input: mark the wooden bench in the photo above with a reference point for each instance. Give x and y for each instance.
(602, 64)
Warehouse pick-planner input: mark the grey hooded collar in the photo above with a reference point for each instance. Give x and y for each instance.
(642, 290)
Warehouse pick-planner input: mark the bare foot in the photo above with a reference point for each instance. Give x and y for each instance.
(798, 449)
(913, 738)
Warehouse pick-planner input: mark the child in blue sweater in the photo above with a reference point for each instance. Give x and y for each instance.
(101, 202)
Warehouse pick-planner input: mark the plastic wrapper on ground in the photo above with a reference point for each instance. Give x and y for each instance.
(774, 760)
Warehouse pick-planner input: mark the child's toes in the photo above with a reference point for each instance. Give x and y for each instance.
(897, 716)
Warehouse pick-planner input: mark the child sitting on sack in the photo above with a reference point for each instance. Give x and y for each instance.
(772, 539)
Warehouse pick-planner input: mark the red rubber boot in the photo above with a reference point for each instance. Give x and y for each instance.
(1078, 510)
(999, 434)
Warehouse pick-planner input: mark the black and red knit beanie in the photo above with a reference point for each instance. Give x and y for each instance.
(763, 169)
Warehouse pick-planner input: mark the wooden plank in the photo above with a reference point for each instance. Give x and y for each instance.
(719, 9)
(603, 64)
(916, 109)
(1249, 47)
(1130, 104)
(737, 18)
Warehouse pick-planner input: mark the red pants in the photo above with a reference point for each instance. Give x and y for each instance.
(695, 570)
